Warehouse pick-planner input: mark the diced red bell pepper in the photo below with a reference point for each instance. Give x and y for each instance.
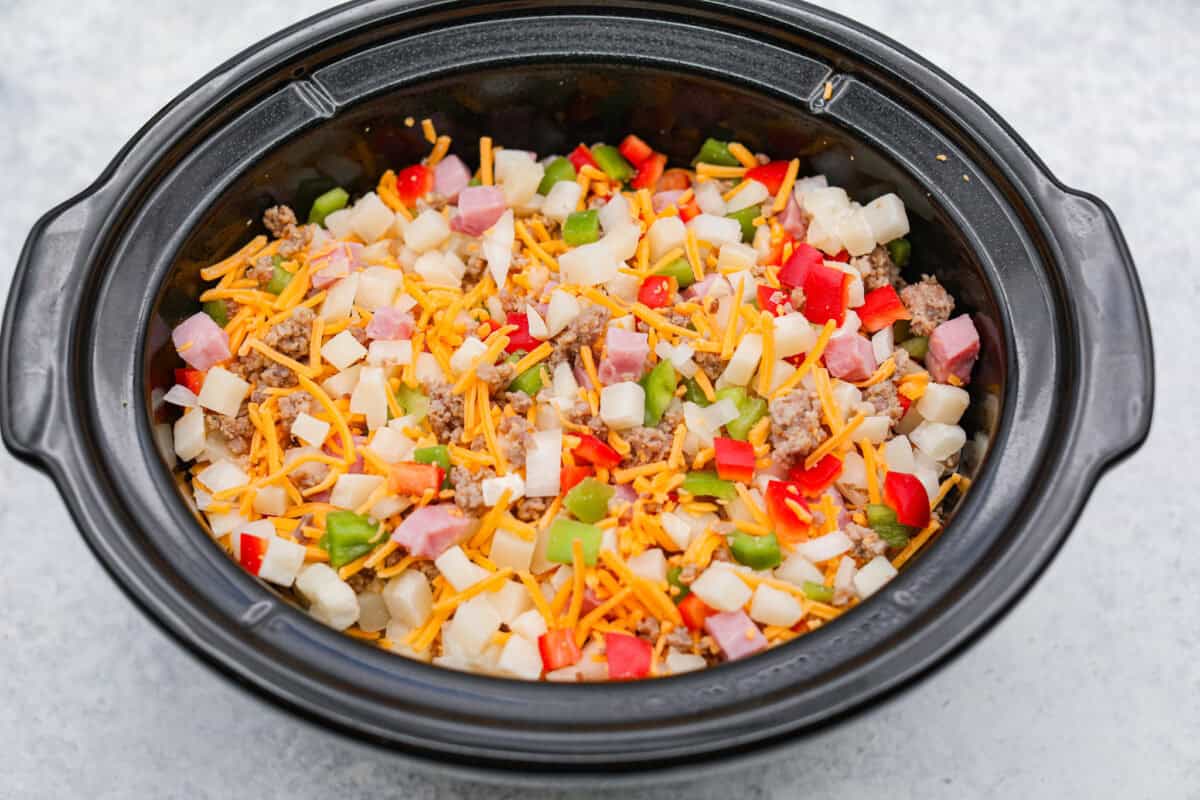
(414, 183)
(656, 291)
(735, 460)
(674, 180)
(787, 523)
(581, 156)
(253, 549)
(769, 175)
(558, 649)
(770, 299)
(520, 339)
(842, 256)
(803, 259)
(190, 379)
(635, 150)
(412, 478)
(628, 656)
(689, 210)
(826, 294)
(778, 246)
(649, 172)
(904, 402)
(694, 611)
(881, 307)
(569, 476)
(596, 452)
(905, 495)
(814, 481)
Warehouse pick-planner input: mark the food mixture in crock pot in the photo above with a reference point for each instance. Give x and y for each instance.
(576, 417)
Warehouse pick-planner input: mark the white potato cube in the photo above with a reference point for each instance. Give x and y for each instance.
(518, 175)
(511, 600)
(271, 501)
(678, 663)
(389, 352)
(221, 524)
(873, 576)
(561, 200)
(823, 548)
(623, 287)
(352, 490)
(899, 455)
(754, 194)
(369, 397)
(460, 571)
(821, 235)
(474, 624)
(709, 199)
(521, 659)
(310, 430)
(377, 287)
(855, 232)
(943, 403)
(463, 357)
(589, 264)
(427, 231)
(874, 429)
(794, 334)
(938, 440)
(677, 528)
(372, 612)
(666, 234)
(797, 569)
(828, 201)
(887, 218)
(736, 257)
(223, 391)
(543, 463)
(743, 363)
(562, 311)
(847, 396)
(339, 298)
(409, 598)
(189, 434)
(623, 405)
(372, 218)
(282, 561)
(883, 342)
(342, 383)
(530, 625)
(391, 445)
(772, 606)
(222, 475)
(438, 268)
(716, 230)
(339, 223)
(343, 350)
(331, 600)
(510, 550)
(493, 488)
(721, 588)
(650, 564)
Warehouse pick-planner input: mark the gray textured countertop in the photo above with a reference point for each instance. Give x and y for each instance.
(1088, 687)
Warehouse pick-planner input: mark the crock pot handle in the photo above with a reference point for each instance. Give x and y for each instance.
(36, 333)
(1117, 353)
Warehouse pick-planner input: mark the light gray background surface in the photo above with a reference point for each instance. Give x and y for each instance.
(1089, 688)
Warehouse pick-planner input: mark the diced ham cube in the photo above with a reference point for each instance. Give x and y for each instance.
(736, 634)
(335, 264)
(479, 207)
(390, 323)
(953, 349)
(450, 177)
(625, 355)
(792, 220)
(431, 530)
(850, 357)
(200, 341)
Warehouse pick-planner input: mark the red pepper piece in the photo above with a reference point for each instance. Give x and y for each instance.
(656, 291)
(826, 294)
(674, 180)
(414, 183)
(190, 379)
(596, 452)
(769, 175)
(253, 549)
(904, 402)
(803, 259)
(558, 649)
(735, 460)
(581, 156)
(635, 150)
(842, 256)
(787, 522)
(628, 656)
(569, 476)
(813, 482)
(906, 495)
(649, 172)
(520, 339)
(881, 307)
(694, 611)
(771, 299)
(775, 254)
(689, 210)
(412, 478)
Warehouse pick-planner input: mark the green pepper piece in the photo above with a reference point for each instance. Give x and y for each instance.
(682, 589)
(818, 592)
(530, 381)
(588, 500)
(750, 411)
(326, 204)
(735, 393)
(413, 401)
(705, 483)
(475, 181)
(746, 218)
(901, 252)
(917, 346)
(714, 151)
(218, 311)
(681, 271)
(901, 330)
(349, 536)
(612, 162)
(756, 552)
(581, 227)
(563, 532)
(659, 384)
(557, 171)
(694, 393)
(882, 520)
(280, 277)
(434, 454)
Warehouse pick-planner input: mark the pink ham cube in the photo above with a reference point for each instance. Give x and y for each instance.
(953, 349)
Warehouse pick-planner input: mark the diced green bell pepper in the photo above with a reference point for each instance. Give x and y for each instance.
(681, 271)
(901, 252)
(565, 531)
(435, 454)
(682, 589)
(557, 171)
(694, 393)
(750, 411)
(716, 152)
(349, 536)
(581, 227)
(746, 218)
(588, 500)
(612, 163)
(705, 483)
(530, 381)
(882, 520)
(818, 592)
(413, 401)
(475, 181)
(280, 277)
(756, 552)
(917, 346)
(659, 384)
(326, 204)
(218, 311)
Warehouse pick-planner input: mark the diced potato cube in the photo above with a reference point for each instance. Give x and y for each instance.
(887, 218)
(721, 589)
(189, 434)
(521, 659)
(343, 350)
(772, 606)
(665, 235)
(271, 501)
(427, 231)
(352, 490)
(943, 403)
(460, 571)
(623, 405)
(310, 430)
(223, 391)
(409, 598)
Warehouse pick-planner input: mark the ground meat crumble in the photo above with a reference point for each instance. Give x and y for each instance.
(929, 303)
(796, 425)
